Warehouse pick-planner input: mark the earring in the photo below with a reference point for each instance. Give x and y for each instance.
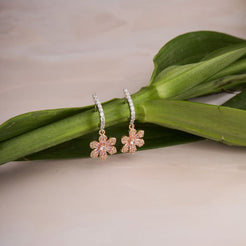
(103, 145)
(135, 137)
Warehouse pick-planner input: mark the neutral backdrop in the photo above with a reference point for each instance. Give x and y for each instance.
(56, 54)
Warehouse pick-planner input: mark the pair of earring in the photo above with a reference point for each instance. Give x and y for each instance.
(105, 146)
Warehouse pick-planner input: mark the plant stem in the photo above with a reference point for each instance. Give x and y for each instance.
(218, 123)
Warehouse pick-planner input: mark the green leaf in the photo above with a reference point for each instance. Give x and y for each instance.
(223, 50)
(238, 101)
(190, 48)
(35, 119)
(228, 83)
(32, 120)
(238, 67)
(173, 86)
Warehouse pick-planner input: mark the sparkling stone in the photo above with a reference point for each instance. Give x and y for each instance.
(103, 156)
(124, 149)
(93, 144)
(102, 138)
(140, 133)
(112, 141)
(103, 147)
(132, 149)
(139, 142)
(112, 150)
(94, 153)
(124, 139)
(132, 132)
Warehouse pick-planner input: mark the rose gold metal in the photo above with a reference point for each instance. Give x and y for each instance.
(103, 146)
(134, 139)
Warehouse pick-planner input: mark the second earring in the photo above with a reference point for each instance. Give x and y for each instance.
(135, 137)
(103, 145)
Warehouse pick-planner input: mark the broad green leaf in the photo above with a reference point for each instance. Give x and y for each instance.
(238, 101)
(32, 120)
(194, 75)
(190, 48)
(223, 50)
(173, 72)
(238, 67)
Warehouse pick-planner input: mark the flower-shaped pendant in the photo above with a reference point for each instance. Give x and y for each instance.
(102, 147)
(134, 139)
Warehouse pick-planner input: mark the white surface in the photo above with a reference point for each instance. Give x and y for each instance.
(56, 55)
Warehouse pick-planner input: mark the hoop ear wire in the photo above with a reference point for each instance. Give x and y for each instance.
(131, 106)
(98, 106)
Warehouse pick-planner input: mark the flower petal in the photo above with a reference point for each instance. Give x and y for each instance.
(124, 139)
(102, 138)
(132, 149)
(139, 142)
(112, 141)
(140, 133)
(94, 153)
(132, 132)
(112, 150)
(125, 148)
(103, 155)
(93, 144)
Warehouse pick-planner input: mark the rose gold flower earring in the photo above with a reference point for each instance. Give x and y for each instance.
(104, 145)
(134, 139)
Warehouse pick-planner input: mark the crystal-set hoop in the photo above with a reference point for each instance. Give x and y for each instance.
(135, 137)
(103, 145)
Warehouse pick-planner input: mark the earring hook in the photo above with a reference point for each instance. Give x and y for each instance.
(101, 113)
(131, 106)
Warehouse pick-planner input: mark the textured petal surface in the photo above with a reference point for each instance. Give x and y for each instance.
(112, 150)
(139, 142)
(124, 148)
(94, 153)
(103, 155)
(140, 133)
(132, 149)
(93, 144)
(132, 132)
(124, 139)
(102, 138)
(112, 141)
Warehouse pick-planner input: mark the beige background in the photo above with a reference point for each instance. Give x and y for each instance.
(56, 54)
